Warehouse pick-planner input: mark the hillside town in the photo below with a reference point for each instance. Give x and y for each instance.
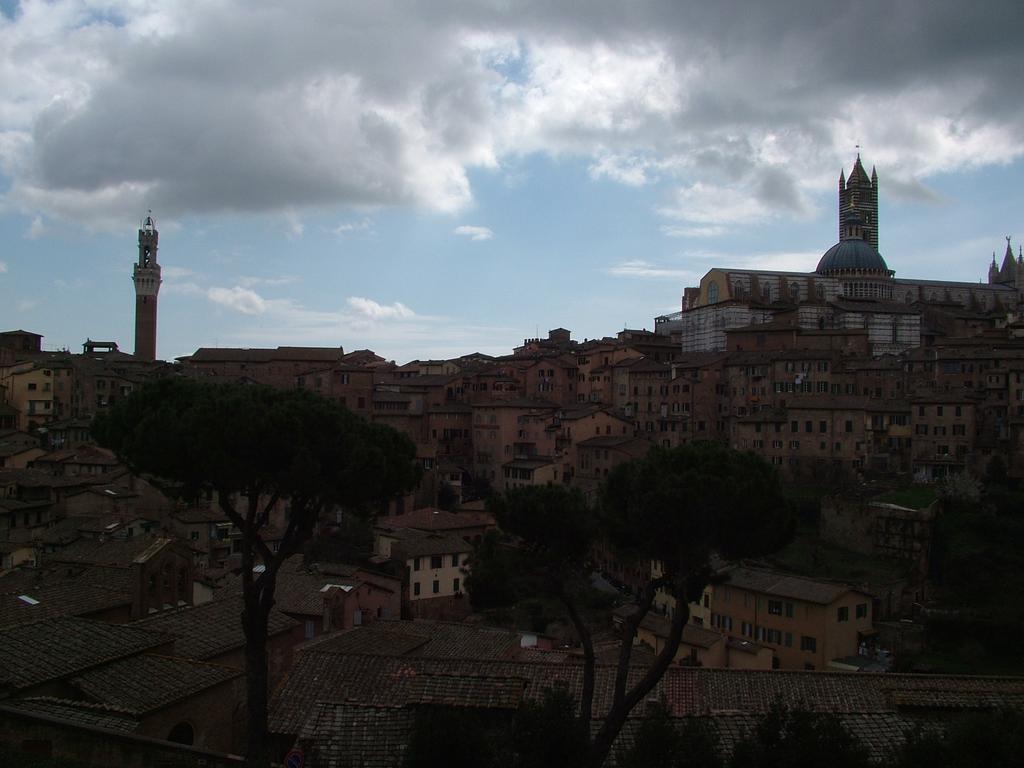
(883, 403)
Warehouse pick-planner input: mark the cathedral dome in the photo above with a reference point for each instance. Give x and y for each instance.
(847, 255)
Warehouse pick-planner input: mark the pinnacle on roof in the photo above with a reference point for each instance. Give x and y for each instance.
(1009, 262)
(858, 171)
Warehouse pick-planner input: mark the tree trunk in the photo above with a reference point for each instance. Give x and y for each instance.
(623, 705)
(254, 621)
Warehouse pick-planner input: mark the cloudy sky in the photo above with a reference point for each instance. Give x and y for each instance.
(433, 178)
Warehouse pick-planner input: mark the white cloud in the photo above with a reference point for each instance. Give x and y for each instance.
(398, 103)
(26, 305)
(709, 207)
(238, 299)
(173, 272)
(249, 281)
(706, 230)
(3, 267)
(36, 229)
(186, 288)
(631, 171)
(474, 233)
(353, 227)
(783, 261)
(644, 269)
(294, 225)
(368, 308)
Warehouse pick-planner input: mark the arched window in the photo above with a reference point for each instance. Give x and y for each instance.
(712, 293)
(794, 291)
(766, 291)
(182, 733)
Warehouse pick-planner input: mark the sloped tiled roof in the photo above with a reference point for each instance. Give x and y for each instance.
(57, 648)
(430, 519)
(120, 552)
(97, 589)
(211, 629)
(785, 585)
(144, 683)
(423, 639)
(687, 691)
(341, 735)
(430, 544)
(77, 712)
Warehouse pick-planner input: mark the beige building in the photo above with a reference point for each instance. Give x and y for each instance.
(806, 623)
(29, 389)
(434, 565)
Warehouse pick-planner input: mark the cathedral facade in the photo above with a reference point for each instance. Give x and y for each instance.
(851, 289)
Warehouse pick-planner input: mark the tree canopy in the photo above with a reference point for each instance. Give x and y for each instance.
(675, 507)
(797, 738)
(255, 447)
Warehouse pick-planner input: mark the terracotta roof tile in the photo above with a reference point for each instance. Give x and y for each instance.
(430, 544)
(781, 584)
(77, 712)
(861, 697)
(210, 630)
(144, 683)
(343, 735)
(94, 590)
(56, 648)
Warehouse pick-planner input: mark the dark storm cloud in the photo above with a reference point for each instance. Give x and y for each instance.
(260, 106)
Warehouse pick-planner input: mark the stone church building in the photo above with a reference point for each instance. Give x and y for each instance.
(852, 289)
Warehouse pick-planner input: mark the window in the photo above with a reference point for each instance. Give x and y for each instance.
(455, 563)
(843, 613)
(310, 629)
(808, 644)
(862, 610)
(194, 535)
(455, 586)
(789, 610)
(437, 586)
(775, 607)
(416, 565)
(416, 588)
(436, 561)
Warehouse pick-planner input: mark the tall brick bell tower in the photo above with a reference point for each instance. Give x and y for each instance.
(146, 276)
